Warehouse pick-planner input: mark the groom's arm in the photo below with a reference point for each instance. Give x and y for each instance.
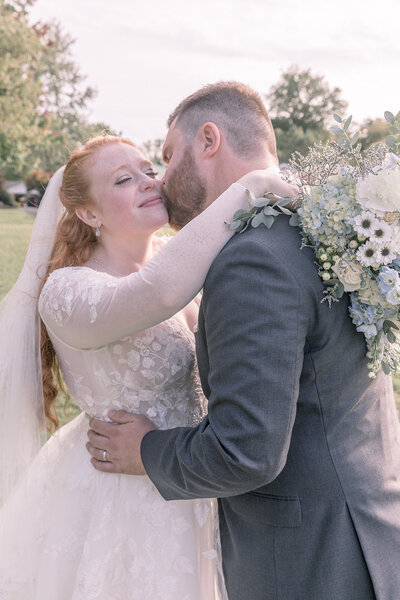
(256, 323)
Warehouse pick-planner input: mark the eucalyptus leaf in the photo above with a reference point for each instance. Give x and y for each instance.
(337, 118)
(390, 141)
(268, 221)
(391, 337)
(235, 225)
(268, 210)
(339, 290)
(285, 211)
(260, 202)
(355, 137)
(347, 123)
(386, 368)
(283, 201)
(294, 220)
(389, 117)
(342, 142)
(257, 220)
(390, 324)
(332, 282)
(336, 130)
(240, 214)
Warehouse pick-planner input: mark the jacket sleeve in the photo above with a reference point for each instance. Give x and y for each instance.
(255, 326)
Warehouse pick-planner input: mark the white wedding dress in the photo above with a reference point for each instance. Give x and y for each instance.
(69, 532)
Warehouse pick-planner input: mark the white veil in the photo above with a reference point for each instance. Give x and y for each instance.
(22, 421)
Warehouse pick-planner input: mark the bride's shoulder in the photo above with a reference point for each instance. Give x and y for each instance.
(67, 278)
(70, 286)
(67, 273)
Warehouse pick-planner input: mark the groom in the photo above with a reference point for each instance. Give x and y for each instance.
(300, 446)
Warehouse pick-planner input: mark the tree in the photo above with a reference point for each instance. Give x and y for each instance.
(296, 139)
(43, 99)
(19, 89)
(17, 6)
(37, 180)
(373, 131)
(300, 106)
(153, 150)
(63, 101)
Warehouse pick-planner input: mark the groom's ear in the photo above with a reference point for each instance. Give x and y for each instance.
(210, 138)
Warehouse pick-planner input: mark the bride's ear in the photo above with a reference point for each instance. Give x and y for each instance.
(87, 217)
(210, 139)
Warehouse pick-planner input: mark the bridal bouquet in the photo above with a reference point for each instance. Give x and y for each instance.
(349, 213)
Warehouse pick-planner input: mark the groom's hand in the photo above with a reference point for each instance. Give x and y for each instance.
(115, 447)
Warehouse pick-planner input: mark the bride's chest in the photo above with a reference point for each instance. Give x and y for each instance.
(158, 358)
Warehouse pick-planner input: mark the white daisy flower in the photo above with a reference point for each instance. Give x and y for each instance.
(386, 254)
(368, 254)
(365, 223)
(381, 232)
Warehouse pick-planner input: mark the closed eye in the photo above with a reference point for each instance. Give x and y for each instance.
(122, 180)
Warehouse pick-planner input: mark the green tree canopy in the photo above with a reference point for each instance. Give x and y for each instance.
(300, 106)
(20, 88)
(43, 98)
(373, 131)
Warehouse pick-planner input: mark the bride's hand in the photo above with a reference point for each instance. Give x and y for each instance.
(262, 182)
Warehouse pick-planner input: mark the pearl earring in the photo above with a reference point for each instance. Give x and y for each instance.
(97, 232)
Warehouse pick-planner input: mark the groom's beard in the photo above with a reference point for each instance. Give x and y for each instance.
(186, 192)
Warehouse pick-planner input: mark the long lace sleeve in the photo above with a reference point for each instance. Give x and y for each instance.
(87, 309)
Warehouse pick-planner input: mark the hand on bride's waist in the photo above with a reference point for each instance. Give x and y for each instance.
(115, 444)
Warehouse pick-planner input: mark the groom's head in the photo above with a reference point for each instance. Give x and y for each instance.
(215, 136)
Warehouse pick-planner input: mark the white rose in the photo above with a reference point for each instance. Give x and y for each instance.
(380, 191)
(370, 293)
(349, 273)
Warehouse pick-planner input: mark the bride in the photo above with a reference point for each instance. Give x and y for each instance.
(116, 322)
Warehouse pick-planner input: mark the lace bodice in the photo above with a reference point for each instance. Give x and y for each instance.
(112, 353)
(150, 372)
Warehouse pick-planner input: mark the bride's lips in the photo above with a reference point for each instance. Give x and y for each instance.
(153, 201)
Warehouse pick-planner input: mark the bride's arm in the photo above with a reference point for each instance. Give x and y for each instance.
(94, 310)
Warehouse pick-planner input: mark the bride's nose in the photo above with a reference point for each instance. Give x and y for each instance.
(147, 183)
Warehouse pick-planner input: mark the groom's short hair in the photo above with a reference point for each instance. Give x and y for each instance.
(235, 108)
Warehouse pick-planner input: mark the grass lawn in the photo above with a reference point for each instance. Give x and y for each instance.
(15, 228)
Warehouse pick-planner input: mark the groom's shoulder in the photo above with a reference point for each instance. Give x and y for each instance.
(281, 244)
(281, 240)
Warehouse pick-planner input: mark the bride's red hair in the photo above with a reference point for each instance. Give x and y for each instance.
(73, 245)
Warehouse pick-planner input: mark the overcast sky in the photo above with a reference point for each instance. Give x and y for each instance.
(144, 56)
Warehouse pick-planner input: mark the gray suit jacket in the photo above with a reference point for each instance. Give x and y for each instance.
(301, 447)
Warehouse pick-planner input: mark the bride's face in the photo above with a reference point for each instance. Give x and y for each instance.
(125, 192)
